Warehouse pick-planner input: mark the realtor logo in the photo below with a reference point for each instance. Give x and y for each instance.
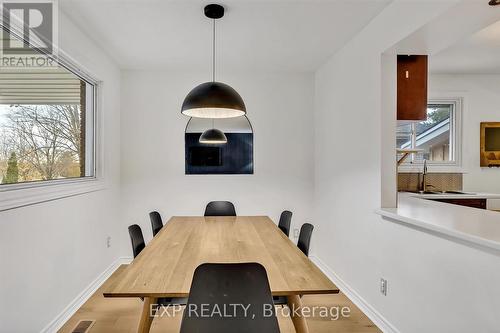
(28, 27)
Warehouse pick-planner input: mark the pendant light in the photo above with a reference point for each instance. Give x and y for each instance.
(213, 136)
(213, 99)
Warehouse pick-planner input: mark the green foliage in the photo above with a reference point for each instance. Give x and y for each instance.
(438, 116)
(435, 115)
(12, 174)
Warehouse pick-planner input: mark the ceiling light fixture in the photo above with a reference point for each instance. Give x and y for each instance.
(213, 99)
(213, 136)
(494, 2)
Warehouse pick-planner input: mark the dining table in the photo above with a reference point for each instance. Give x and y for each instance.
(165, 267)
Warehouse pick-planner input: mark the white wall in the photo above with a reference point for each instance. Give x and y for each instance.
(280, 107)
(481, 103)
(51, 251)
(434, 284)
(315, 138)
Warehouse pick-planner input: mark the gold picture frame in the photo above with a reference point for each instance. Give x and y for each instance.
(490, 144)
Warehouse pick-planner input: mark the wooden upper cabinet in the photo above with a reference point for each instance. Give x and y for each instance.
(412, 87)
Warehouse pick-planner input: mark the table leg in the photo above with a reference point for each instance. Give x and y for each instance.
(299, 322)
(146, 318)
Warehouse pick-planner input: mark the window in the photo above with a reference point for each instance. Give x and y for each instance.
(437, 137)
(46, 125)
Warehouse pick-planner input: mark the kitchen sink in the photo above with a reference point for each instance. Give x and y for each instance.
(442, 192)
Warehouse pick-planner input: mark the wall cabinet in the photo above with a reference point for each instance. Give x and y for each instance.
(412, 87)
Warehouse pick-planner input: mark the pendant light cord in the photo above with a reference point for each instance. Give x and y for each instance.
(213, 65)
(213, 55)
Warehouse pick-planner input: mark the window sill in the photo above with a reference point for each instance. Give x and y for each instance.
(29, 194)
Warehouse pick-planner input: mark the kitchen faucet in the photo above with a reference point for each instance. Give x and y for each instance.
(424, 185)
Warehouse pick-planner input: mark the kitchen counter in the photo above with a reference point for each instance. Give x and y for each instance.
(466, 195)
(477, 226)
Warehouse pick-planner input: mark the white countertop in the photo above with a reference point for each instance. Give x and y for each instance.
(478, 226)
(467, 195)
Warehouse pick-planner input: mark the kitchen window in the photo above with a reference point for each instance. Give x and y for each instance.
(438, 137)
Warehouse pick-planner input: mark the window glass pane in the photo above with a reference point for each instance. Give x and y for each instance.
(433, 135)
(46, 125)
(403, 136)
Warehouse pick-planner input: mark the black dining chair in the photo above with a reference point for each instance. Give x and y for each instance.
(136, 238)
(156, 222)
(285, 221)
(230, 286)
(305, 238)
(220, 208)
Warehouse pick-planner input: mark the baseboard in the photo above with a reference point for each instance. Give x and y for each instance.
(359, 301)
(64, 316)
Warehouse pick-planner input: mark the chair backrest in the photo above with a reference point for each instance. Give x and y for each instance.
(223, 286)
(305, 238)
(156, 222)
(136, 238)
(220, 208)
(285, 220)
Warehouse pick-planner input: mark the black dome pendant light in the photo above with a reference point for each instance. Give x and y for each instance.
(213, 136)
(213, 99)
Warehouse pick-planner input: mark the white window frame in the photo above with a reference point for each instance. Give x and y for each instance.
(29, 193)
(456, 146)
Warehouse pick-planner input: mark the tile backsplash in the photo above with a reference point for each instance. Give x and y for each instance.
(439, 181)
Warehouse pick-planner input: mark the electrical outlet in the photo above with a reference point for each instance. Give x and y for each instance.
(108, 242)
(383, 286)
(296, 233)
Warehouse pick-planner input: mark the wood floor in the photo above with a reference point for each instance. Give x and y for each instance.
(122, 315)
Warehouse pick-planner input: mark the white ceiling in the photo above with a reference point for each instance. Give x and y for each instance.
(476, 54)
(282, 35)
(465, 39)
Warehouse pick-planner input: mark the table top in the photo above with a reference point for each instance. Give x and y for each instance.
(166, 265)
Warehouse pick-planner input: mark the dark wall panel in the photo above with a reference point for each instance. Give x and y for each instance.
(236, 156)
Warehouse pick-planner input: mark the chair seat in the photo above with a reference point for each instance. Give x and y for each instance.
(228, 287)
(220, 208)
(156, 222)
(285, 221)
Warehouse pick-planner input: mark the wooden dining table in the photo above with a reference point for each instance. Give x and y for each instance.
(166, 265)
